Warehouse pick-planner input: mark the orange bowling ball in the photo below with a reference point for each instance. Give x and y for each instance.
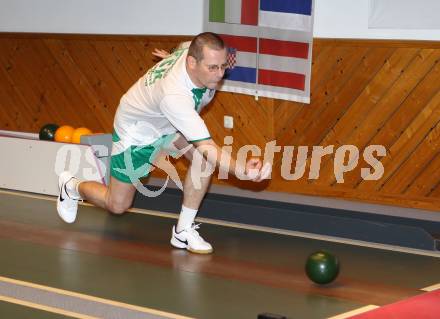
(76, 137)
(64, 134)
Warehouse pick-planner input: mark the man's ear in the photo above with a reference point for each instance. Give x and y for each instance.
(191, 61)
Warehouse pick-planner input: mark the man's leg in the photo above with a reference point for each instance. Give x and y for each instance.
(192, 196)
(117, 197)
(185, 234)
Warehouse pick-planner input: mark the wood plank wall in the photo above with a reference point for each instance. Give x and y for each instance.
(363, 93)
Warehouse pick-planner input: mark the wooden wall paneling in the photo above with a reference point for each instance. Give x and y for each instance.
(413, 135)
(253, 118)
(383, 110)
(421, 44)
(11, 99)
(269, 105)
(360, 76)
(24, 74)
(286, 111)
(250, 125)
(298, 134)
(283, 115)
(394, 125)
(424, 94)
(427, 180)
(61, 99)
(423, 202)
(324, 64)
(318, 49)
(337, 108)
(37, 72)
(80, 84)
(325, 100)
(142, 50)
(9, 102)
(370, 96)
(416, 163)
(123, 56)
(365, 103)
(212, 115)
(435, 193)
(34, 70)
(12, 78)
(107, 83)
(113, 64)
(104, 86)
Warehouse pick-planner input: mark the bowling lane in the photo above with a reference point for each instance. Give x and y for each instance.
(17, 311)
(162, 288)
(128, 259)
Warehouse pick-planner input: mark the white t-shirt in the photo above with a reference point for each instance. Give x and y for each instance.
(162, 102)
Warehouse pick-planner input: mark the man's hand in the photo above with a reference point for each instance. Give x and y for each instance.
(253, 170)
(161, 53)
(256, 171)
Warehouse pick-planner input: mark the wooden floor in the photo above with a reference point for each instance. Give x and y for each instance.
(128, 259)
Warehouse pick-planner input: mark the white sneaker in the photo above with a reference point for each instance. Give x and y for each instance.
(191, 240)
(67, 206)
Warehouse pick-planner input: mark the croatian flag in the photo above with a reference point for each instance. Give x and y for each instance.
(270, 43)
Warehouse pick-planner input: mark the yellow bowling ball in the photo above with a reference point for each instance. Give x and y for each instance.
(76, 137)
(64, 134)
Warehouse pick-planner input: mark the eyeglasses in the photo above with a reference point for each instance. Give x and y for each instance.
(215, 67)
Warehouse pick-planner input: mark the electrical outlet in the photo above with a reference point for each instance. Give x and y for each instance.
(228, 121)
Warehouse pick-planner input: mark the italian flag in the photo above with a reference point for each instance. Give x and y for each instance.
(234, 11)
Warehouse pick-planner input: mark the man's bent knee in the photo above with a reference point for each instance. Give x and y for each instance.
(117, 208)
(119, 196)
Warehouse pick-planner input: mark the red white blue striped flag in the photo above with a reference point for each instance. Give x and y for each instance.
(270, 42)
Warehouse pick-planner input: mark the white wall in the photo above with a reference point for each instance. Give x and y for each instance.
(349, 19)
(333, 18)
(174, 17)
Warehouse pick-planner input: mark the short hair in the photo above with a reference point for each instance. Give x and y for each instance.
(208, 39)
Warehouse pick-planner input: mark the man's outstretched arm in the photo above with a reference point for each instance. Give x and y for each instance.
(253, 169)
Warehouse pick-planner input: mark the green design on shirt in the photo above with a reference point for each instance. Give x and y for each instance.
(161, 69)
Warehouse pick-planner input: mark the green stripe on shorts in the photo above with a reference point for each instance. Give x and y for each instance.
(115, 137)
(138, 158)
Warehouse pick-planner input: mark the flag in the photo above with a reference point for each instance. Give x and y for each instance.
(242, 43)
(231, 58)
(270, 43)
(234, 11)
(242, 51)
(286, 14)
(284, 64)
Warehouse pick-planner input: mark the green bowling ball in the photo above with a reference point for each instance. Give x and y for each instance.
(47, 132)
(322, 267)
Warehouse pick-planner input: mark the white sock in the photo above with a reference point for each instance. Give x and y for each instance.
(186, 218)
(72, 188)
